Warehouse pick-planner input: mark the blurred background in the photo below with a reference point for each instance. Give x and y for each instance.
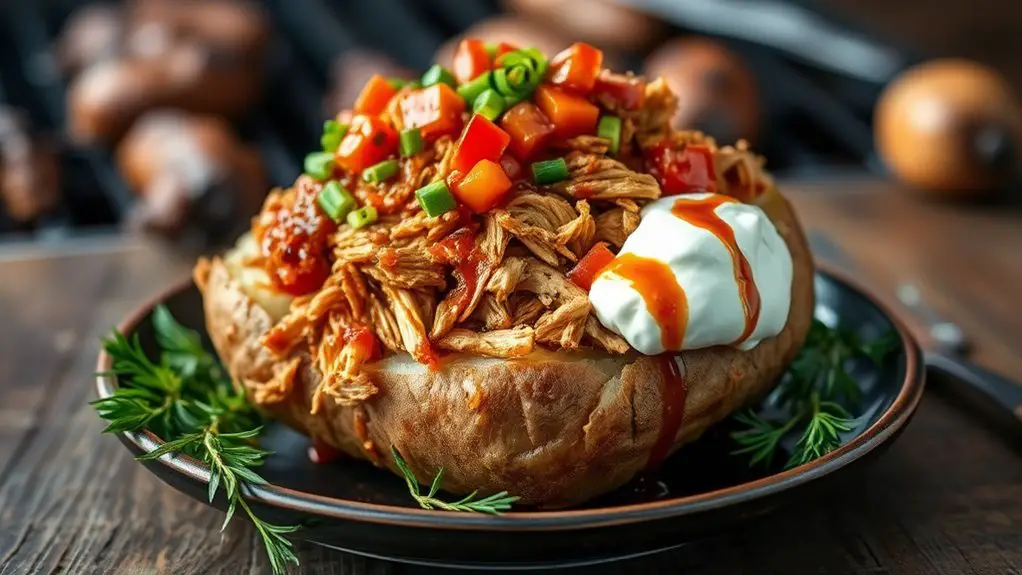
(173, 118)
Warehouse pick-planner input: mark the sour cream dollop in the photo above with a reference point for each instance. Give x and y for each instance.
(731, 272)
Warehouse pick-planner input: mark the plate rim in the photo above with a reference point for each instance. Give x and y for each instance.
(893, 419)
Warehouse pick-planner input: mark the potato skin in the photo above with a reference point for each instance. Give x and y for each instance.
(555, 429)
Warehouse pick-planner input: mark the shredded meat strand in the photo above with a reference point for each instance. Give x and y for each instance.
(505, 343)
(601, 178)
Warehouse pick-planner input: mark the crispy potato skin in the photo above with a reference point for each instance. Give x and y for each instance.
(555, 429)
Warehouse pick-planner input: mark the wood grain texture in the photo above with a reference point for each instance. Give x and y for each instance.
(946, 499)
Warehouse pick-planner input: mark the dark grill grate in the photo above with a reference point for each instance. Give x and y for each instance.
(808, 128)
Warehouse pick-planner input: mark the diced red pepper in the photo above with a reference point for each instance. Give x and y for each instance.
(585, 271)
(435, 111)
(682, 170)
(528, 127)
(571, 115)
(481, 140)
(483, 187)
(321, 453)
(618, 91)
(470, 60)
(374, 96)
(512, 167)
(370, 140)
(576, 68)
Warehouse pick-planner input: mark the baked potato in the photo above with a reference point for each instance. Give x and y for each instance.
(538, 395)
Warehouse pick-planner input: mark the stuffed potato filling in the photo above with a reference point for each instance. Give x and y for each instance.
(474, 210)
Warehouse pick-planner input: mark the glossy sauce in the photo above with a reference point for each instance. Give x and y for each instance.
(293, 238)
(459, 250)
(702, 214)
(665, 300)
(320, 452)
(673, 391)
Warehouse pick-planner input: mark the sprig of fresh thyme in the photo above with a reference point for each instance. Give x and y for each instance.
(493, 504)
(187, 399)
(812, 394)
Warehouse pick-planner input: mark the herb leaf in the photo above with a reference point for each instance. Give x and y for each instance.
(492, 504)
(811, 393)
(187, 399)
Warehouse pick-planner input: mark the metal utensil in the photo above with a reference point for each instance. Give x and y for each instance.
(944, 359)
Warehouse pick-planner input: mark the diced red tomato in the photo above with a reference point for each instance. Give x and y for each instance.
(571, 115)
(435, 111)
(374, 96)
(585, 271)
(481, 140)
(370, 140)
(682, 170)
(483, 187)
(618, 91)
(470, 60)
(576, 68)
(512, 167)
(528, 127)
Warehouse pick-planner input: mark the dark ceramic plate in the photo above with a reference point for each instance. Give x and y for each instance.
(702, 489)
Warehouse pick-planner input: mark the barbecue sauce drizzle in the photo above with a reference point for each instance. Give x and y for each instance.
(666, 302)
(702, 214)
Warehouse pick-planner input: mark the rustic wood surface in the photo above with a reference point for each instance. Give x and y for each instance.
(947, 497)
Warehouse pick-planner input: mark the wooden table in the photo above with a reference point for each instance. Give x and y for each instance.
(947, 497)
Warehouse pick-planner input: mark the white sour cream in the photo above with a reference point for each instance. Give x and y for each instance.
(706, 274)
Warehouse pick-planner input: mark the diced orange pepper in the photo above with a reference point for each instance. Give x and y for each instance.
(374, 96)
(435, 111)
(571, 115)
(590, 266)
(483, 187)
(576, 67)
(369, 140)
(481, 140)
(470, 60)
(528, 127)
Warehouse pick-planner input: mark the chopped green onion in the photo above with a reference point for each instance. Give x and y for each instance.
(491, 49)
(335, 201)
(380, 172)
(333, 133)
(489, 104)
(610, 129)
(319, 165)
(550, 171)
(471, 90)
(410, 142)
(362, 217)
(438, 75)
(435, 199)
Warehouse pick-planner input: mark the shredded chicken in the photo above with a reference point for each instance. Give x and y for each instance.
(407, 267)
(653, 121)
(586, 144)
(279, 388)
(615, 225)
(400, 282)
(601, 178)
(507, 343)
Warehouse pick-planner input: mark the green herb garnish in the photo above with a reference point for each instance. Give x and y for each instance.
(493, 504)
(812, 394)
(188, 400)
